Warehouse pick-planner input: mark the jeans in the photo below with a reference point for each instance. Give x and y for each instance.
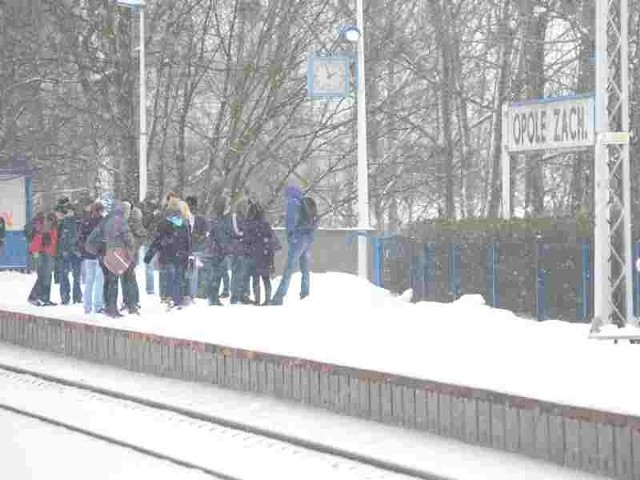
(110, 291)
(174, 276)
(225, 276)
(162, 275)
(130, 291)
(239, 278)
(149, 279)
(70, 264)
(213, 270)
(255, 277)
(44, 268)
(93, 285)
(298, 251)
(193, 275)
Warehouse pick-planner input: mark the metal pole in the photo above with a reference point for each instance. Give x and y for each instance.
(143, 113)
(601, 270)
(505, 163)
(363, 169)
(625, 154)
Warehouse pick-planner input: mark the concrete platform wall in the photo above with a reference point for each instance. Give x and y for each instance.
(583, 439)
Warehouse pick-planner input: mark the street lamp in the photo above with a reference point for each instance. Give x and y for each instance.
(354, 34)
(139, 5)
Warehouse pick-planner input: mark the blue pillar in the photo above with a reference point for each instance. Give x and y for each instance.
(585, 282)
(454, 265)
(492, 274)
(377, 261)
(427, 269)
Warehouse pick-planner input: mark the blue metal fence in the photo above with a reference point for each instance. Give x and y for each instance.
(570, 298)
(14, 256)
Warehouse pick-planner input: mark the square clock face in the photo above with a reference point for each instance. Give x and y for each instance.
(330, 77)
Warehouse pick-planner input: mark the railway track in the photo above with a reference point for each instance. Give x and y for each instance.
(180, 433)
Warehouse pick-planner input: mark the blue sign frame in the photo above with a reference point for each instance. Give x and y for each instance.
(315, 58)
(15, 254)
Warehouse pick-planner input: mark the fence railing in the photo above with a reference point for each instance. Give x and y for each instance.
(531, 277)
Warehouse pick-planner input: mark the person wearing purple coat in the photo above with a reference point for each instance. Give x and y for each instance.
(261, 244)
(302, 222)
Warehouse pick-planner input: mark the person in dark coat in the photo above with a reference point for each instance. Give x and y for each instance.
(199, 233)
(130, 290)
(301, 226)
(43, 248)
(215, 251)
(68, 258)
(234, 223)
(261, 244)
(150, 221)
(93, 298)
(173, 245)
(113, 232)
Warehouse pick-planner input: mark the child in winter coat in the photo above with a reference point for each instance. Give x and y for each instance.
(261, 244)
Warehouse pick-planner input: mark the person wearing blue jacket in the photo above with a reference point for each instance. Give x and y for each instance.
(302, 222)
(93, 298)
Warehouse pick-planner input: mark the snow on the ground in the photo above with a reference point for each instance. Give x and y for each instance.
(32, 450)
(348, 321)
(430, 453)
(230, 452)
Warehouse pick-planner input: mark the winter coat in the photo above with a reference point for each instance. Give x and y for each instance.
(261, 244)
(44, 236)
(214, 245)
(239, 244)
(86, 228)
(138, 232)
(68, 236)
(199, 233)
(3, 231)
(113, 232)
(172, 243)
(295, 232)
(229, 234)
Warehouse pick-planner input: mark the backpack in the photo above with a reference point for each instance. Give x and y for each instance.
(307, 214)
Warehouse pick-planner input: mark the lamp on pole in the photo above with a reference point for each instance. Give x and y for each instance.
(355, 35)
(139, 5)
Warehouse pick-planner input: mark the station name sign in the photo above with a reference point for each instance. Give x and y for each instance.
(548, 124)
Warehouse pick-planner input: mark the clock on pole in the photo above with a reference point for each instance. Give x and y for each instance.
(328, 76)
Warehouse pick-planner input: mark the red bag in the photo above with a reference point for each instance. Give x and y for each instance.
(117, 260)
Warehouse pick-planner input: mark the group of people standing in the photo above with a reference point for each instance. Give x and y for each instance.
(98, 245)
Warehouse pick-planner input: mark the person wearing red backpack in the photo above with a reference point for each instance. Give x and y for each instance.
(302, 222)
(43, 248)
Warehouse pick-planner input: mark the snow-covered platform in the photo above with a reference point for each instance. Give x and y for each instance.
(630, 333)
(461, 370)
